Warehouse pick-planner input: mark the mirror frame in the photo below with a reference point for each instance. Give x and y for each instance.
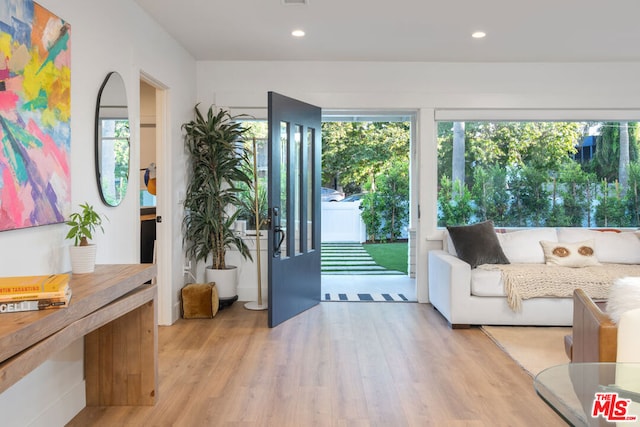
(98, 137)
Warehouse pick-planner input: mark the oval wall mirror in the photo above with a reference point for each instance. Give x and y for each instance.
(112, 140)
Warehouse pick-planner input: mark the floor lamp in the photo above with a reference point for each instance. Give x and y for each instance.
(256, 305)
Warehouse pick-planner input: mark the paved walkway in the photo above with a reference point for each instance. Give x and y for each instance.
(348, 271)
(335, 284)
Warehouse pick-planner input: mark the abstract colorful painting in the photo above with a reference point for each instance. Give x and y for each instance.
(35, 110)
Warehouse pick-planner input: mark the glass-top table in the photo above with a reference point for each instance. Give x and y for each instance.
(593, 394)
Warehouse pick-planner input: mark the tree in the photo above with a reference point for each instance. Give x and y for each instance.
(528, 150)
(454, 202)
(372, 156)
(623, 167)
(510, 144)
(611, 210)
(371, 204)
(354, 153)
(542, 182)
(489, 193)
(606, 161)
(633, 194)
(338, 150)
(457, 162)
(530, 205)
(572, 197)
(393, 186)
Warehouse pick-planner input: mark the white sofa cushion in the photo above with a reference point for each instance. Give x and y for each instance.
(487, 283)
(523, 246)
(578, 254)
(610, 247)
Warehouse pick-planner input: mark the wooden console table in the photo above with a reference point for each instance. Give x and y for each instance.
(115, 311)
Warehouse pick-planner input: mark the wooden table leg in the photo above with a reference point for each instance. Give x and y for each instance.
(121, 363)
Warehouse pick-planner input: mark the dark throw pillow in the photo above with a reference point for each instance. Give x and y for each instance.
(477, 244)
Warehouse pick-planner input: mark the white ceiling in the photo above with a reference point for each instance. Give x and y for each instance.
(404, 30)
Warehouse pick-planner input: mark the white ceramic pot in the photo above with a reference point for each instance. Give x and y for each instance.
(226, 280)
(83, 259)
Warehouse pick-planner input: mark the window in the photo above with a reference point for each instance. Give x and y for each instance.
(256, 133)
(538, 173)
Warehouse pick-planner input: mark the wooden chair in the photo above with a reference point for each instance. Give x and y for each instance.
(594, 336)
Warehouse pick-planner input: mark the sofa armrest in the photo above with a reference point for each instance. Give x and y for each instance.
(594, 333)
(449, 286)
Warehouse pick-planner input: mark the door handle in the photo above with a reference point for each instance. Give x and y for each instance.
(277, 230)
(272, 217)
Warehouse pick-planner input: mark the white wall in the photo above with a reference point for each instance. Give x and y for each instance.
(424, 87)
(248, 270)
(105, 36)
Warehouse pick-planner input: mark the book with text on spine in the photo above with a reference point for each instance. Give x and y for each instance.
(34, 305)
(35, 295)
(30, 284)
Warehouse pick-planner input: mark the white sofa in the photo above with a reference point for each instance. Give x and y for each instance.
(474, 296)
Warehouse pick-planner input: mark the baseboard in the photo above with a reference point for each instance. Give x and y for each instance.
(176, 312)
(50, 395)
(250, 293)
(62, 410)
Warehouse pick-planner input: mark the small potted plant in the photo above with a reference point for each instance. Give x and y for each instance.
(83, 225)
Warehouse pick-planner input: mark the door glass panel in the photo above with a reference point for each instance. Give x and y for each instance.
(310, 176)
(284, 138)
(297, 186)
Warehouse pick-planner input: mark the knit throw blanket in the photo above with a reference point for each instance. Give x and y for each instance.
(524, 281)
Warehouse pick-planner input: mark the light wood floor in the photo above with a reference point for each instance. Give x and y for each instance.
(338, 364)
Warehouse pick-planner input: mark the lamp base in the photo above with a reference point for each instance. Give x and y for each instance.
(253, 305)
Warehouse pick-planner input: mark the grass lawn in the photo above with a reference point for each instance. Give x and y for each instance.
(393, 256)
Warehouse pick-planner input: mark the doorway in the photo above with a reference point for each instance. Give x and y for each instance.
(359, 283)
(154, 194)
(148, 180)
(352, 269)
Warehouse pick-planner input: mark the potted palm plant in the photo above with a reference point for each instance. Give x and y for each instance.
(83, 225)
(219, 166)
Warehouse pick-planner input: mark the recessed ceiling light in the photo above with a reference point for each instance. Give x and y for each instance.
(479, 35)
(297, 33)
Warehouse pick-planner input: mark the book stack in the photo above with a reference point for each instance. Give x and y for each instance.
(31, 293)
